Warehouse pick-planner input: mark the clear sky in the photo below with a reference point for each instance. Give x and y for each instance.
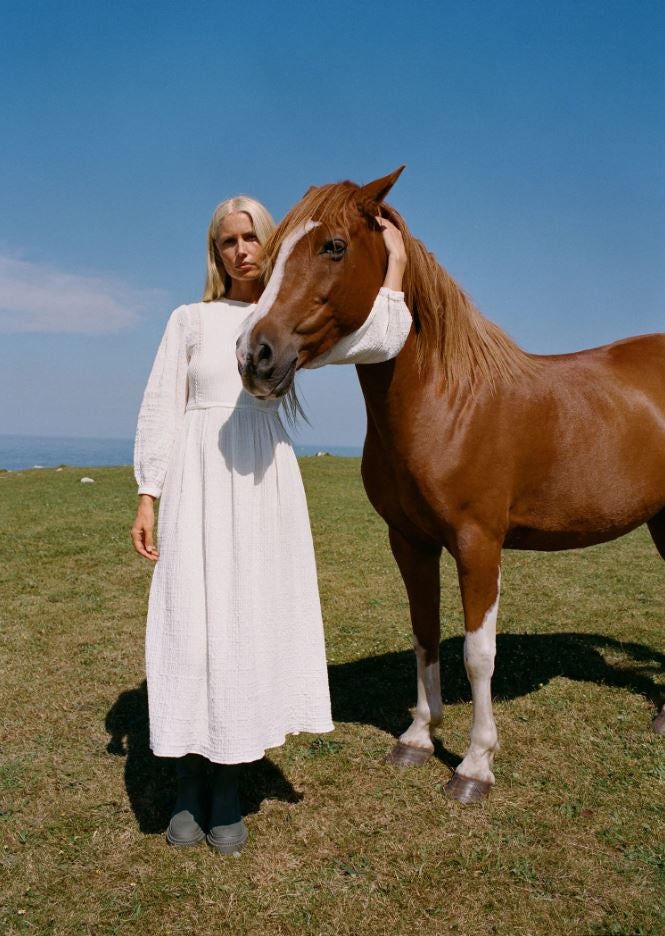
(533, 133)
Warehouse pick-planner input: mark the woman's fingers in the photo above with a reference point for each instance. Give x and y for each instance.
(387, 226)
(137, 541)
(385, 222)
(142, 530)
(142, 540)
(147, 540)
(392, 236)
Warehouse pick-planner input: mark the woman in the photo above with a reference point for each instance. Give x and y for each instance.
(235, 654)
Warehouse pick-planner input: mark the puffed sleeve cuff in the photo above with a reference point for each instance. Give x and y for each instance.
(151, 489)
(381, 336)
(163, 406)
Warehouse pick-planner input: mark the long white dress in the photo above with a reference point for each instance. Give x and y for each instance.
(235, 653)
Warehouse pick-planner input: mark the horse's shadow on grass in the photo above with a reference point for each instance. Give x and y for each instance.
(379, 691)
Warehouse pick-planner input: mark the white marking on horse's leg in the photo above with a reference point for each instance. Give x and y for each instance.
(479, 653)
(429, 706)
(271, 291)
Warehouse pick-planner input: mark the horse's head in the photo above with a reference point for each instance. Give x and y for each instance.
(329, 261)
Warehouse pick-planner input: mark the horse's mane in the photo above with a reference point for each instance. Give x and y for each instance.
(449, 328)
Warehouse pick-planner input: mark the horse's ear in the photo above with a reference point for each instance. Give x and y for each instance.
(371, 195)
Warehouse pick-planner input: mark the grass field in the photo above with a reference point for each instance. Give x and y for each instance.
(570, 841)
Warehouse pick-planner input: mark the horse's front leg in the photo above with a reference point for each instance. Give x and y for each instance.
(478, 565)
(419, 566)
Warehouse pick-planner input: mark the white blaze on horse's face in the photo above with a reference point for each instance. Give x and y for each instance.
(266, 302)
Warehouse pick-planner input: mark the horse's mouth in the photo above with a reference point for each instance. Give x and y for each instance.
(285, 383)
(258, 389)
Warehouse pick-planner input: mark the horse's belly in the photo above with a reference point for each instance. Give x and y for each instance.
(561, 522)
(603, 488)
(521, 537)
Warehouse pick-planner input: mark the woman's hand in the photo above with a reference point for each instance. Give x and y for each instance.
(394, 242)
(143, 528)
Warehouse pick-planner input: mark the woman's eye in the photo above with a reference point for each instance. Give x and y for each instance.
(335, 248)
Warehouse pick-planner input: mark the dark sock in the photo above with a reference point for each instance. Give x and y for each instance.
(190, 773)
(225, 800)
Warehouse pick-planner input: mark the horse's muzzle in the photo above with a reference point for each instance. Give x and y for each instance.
(265, 374)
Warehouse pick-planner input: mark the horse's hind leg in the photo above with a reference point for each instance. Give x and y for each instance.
(419, 566)
(478, 566)
(657, 529)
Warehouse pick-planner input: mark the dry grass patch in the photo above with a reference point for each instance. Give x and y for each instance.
(569, 842)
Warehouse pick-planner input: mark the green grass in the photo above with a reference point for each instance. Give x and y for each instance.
(570, 841)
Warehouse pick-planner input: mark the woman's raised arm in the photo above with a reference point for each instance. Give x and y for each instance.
(385, 330)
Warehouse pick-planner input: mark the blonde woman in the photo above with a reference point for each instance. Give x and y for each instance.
(235, 653)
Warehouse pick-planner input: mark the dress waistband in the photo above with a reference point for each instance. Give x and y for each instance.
(210, 404)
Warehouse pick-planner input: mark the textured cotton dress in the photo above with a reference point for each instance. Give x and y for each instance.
(235, 653)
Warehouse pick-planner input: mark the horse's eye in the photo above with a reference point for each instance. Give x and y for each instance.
(335, 248)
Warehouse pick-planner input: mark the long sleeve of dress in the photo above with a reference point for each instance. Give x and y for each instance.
(380, 338)
(163, 407)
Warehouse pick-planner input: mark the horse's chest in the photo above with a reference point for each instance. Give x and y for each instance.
(401, 494)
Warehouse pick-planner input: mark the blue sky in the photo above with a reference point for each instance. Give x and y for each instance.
(533, 134)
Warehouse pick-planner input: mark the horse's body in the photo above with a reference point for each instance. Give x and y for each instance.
(556, 461)
(472, 444)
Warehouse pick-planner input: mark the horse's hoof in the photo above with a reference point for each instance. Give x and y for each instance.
(658, 724)
(403, 755)
(466, 789)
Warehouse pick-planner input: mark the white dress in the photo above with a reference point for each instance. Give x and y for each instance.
(235, 653)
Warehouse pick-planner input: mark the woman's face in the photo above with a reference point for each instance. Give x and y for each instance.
(239, 248)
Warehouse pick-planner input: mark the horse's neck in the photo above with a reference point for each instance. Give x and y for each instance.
(397, 390)
(375, 381)
(394, 384)
(456, 339)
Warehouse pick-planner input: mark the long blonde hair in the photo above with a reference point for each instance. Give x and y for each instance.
(218, 282)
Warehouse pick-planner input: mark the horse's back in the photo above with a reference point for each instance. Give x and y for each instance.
(618, 378)
(640, 359)
(643, 360)
(643, 355)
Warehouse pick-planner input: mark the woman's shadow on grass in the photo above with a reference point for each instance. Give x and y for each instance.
(150, 781)
(379, 691)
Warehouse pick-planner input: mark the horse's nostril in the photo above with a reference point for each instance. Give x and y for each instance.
(264, 360)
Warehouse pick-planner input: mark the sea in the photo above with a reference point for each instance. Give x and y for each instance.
(18, 452)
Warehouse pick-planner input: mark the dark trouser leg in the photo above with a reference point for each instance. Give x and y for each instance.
(228, 832)
(188, 820)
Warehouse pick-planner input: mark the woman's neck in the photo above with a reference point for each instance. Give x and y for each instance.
(245, 292)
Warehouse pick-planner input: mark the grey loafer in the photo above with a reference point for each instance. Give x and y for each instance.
(228, 839)
(184, 829)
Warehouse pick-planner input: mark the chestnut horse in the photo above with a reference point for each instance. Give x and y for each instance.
(472, 444)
